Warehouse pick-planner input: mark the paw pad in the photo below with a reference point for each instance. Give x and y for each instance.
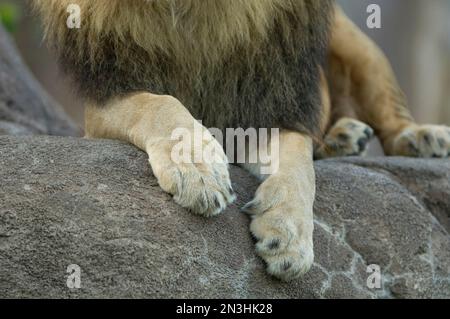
(274, 244)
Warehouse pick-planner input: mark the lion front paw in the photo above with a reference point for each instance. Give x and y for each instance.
(283, 229)
(428, 141)
(203, 187)
(280, 245)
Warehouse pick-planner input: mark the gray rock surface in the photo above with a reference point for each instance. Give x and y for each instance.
(96, 204)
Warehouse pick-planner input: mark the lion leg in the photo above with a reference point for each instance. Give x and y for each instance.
(344, 137)
(375, 94)
(282, 210)
(148, 121)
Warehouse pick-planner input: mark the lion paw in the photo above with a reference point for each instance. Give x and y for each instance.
(280, 245)
(283, 229)
(348, 137)
(428, 141)
(203, 187)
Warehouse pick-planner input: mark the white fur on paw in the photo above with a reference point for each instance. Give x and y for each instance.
(204, 188)
(428, 141)
(283, 231)
(348, 137)
(286, 254)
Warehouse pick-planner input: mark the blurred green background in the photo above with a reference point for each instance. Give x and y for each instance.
(10, 15)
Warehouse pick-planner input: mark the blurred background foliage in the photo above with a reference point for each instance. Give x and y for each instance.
(9, 15)
(415, 35)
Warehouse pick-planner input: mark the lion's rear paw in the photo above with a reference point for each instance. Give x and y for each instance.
(348, 137)
(429, 141)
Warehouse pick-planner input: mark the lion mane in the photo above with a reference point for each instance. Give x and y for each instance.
(232, 63)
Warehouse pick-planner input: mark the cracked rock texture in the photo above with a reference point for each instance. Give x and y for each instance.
(96, 204)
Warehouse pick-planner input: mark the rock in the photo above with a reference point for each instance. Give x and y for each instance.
(25, 108)
(95, 203)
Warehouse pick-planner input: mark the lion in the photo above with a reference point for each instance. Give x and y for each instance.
(147, 68)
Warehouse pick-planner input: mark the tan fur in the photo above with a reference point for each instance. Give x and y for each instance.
(326, 102)
(363, 87)
(282, 211)
(148, 121)
(371, 83)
